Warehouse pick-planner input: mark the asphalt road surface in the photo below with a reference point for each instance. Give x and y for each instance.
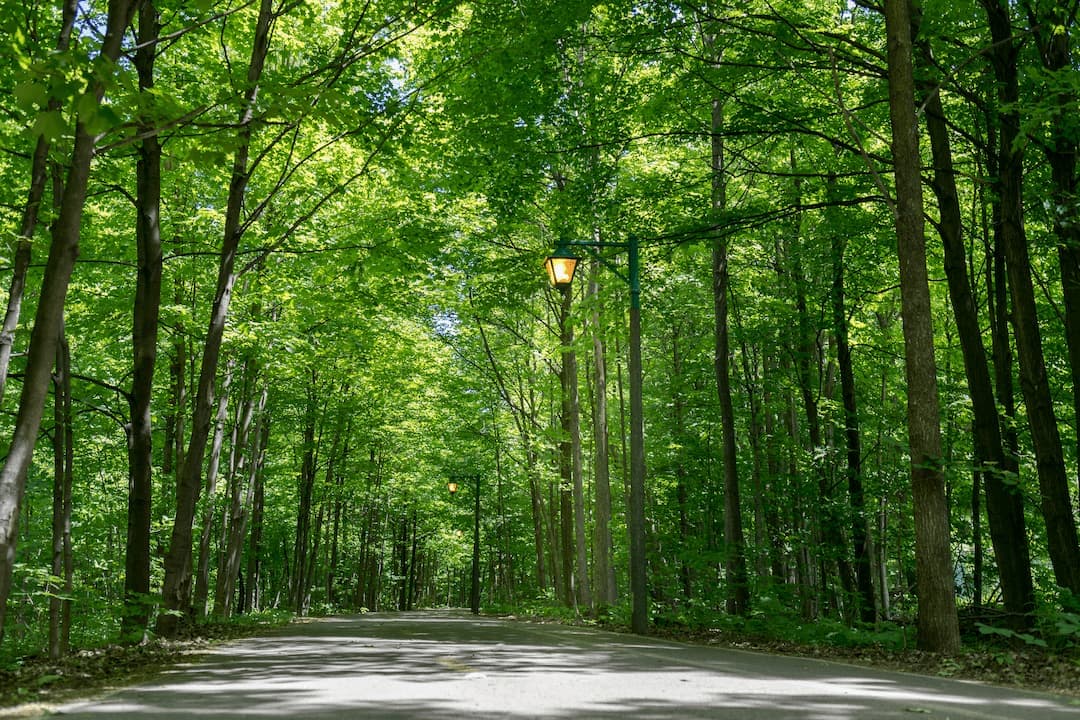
(436, 665)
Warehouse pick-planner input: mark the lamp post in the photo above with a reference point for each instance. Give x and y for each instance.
(474, 590)
(560, 267)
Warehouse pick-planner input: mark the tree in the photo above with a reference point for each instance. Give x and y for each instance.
(50, 311)
(1035, 385)
(938, 629)
(144, 343)
(738, 592)
(1004, 502)
(39, 172)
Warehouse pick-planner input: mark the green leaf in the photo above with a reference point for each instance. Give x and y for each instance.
(31, 95)
(49, 124)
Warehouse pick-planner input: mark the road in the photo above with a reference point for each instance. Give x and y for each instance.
(436, 665)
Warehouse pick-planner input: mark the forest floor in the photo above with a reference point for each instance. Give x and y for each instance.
(34, 685)
(1033, 669)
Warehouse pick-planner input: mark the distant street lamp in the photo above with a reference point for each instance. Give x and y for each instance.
(474, 591)
(560, 267)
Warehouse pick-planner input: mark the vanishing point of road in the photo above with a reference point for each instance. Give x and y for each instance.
(439, 665)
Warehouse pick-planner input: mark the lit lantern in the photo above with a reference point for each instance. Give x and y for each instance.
(561, 266)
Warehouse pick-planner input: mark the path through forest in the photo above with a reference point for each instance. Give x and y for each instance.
(449, 664)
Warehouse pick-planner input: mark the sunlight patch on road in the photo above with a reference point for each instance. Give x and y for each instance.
(454, 664)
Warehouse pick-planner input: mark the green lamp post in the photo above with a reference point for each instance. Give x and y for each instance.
(560, 267)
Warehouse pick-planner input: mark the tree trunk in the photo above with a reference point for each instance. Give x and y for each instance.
(833, 550)
(337, 491)
(582, 589)
(410, 597)
(303, 511)
(772, 466)
(48, 319)
(682, 495)
(176, 588)
(63, 462)
(253, 577)
(603, 561)
(763, 532)
(852, 437)
(938, 627)
(39, 172)
(1005, 508)
(245, 451)
(1052, 29)
(568, 381)
(738, 589)
(202, 571)
(1045, 438)
(144, 344)
(173, 450)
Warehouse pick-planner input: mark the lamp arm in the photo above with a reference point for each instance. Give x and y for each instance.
(594, 248)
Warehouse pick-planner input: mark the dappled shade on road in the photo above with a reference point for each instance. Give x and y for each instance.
(451, 665)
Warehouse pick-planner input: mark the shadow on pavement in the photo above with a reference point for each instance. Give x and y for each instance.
(450, 665)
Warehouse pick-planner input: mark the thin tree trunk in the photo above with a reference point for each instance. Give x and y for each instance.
(63, 457)
(750, 369)
(583, 590)
(306, 490)
(833, 546)
(253, 579)
(938, 627)
(49, 317)
(852, 438)
(772, 466)
(39, 172)
(144, 336)
(682, 496)
(568, 381)
(243, 453)
(173, 450)
(339, 502)
(410, 598)
(738, 589)
(603, 561)
(202, 570)
(976, 539)
(176, 588)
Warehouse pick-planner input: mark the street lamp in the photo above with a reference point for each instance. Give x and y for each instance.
(560, 267)
(474, 591)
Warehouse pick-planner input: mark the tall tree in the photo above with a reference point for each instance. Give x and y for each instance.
(144, 342)
(738, 592)
(39, 171)
(50, 310)
(1005, 507)
(1053, 25)
(852, 433)
(176, 589)
(603, 565)
(1055, 503)
(63, 471)
(938, 626)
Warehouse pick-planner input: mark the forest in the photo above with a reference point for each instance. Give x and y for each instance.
(275, 285)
